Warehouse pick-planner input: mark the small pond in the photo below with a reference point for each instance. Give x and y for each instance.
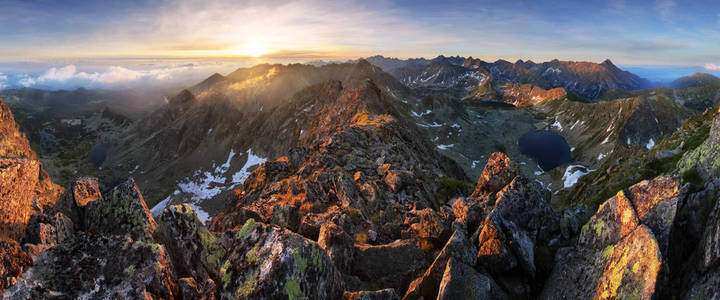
(97, 155)
(547, 148)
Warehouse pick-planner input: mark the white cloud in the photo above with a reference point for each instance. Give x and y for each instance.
(712, 67)
(69, 77)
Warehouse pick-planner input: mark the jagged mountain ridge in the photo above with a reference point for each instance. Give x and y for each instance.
(587, 79)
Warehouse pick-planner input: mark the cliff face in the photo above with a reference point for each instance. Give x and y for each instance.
(25, 187)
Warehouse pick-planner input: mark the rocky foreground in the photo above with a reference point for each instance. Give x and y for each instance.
(358, 211)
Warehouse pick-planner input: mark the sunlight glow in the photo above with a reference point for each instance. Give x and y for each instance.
(253, 48)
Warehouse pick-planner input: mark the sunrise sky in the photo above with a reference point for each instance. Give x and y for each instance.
(92, 36)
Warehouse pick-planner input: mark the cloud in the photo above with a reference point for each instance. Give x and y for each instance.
(70, 77)
(3, 79)
(712, 67)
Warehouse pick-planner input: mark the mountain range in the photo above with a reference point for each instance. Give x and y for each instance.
(382, 178)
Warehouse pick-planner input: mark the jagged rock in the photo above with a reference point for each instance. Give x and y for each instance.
(705, 287)
(123, 211)
(98, 267)
(492, 250)
(705, 159)
(390, 265)
(191, 289)
(431, 225)
(17, 189)
(13, 261)
(523, 202)
(614, 220)
(656, 203)
(398, 179)
(193, 250)
(498, 172)
(427, 285)
(49, 230)
(710, 243)
(339, 246)
(188, 288)
(80, 192)
(468, 211)
(286, 216)
(386, 294)
(461, 281)
(268, 262)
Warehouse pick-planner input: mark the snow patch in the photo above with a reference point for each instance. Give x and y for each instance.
(243, 174)
(445, 147)
(557, 124)
(650, 144)
(573, 173)
(474, 163)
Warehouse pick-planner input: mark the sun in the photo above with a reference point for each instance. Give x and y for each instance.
(254, 49)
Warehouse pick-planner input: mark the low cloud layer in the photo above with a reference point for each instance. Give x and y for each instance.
(712, 67)
(72, 76)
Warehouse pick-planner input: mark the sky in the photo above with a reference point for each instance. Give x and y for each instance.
(111, 43)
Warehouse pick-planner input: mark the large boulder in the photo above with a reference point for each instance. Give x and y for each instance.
(268, 262)
(498, 172)
(428, 284)
(79, 194)
(391, 265)
(122, 211)
(98, 267)
(194, 251)
(461, 281)
(618, 255)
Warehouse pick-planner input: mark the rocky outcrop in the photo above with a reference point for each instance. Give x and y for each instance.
(98, 267)
(13, 262)
(267, 262)
(618, 254)
(704, 160)
(25, 188)
(122, 211)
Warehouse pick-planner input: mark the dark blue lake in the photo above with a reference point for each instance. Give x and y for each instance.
(97, 155)
(547, 148)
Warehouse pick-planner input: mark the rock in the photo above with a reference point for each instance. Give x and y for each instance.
(632, 269)
(398, 179)
(626, 270)
(710, 243)
(17, 189)
(386, 294)
(467, 211)
(338, 245)
(49, 230)
(390, 265)
(13, 262)
(461, 281)
(614, 220)
(431, 225)
(72, 203)
(705, 159)
(193, 250)
(123, 211)
(705, 287)
(493, 252)
(498, 172)
(427, 285)
(523, 202)
(98, 267)
(286, 216)
(656, 203)
(267, 262)
(188, 288)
